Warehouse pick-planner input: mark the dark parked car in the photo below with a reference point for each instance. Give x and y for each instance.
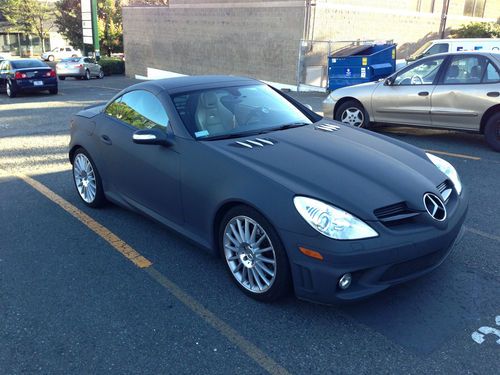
(285, 196)
(23, 75)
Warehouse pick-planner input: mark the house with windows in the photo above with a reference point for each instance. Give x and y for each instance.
(16, 43)
(281, 40)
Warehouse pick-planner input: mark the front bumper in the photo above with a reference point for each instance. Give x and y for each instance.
(375, 264)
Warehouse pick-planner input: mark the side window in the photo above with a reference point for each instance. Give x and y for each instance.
(61, 49)
(86, 60)
(464, 70)
(437, 48)
(68, 49)
(492, 75)
(422, 73)
(139, 108)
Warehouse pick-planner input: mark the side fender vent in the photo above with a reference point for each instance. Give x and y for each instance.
(256, 142)
(327, 127)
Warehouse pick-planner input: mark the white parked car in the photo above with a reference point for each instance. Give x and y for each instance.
(456, 45)
(60, 53)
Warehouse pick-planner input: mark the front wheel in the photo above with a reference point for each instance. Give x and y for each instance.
(101, 74)
(492, 132)
(353, 113)
(87, 180)
(254, 254)
(87, 75)
(51, 58)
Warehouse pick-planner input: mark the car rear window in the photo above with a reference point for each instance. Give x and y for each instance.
(71, 59)
(21, 64)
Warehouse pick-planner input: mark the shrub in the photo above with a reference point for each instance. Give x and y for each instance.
(112, 66)
(477, 30)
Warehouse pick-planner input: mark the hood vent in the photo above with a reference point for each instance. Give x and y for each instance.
(327, 127)
(256, 142)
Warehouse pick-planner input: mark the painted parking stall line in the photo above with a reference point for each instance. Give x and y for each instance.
(462, 156)
(251, 350)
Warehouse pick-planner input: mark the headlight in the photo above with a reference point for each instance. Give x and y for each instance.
(332, 221)
(448, 170)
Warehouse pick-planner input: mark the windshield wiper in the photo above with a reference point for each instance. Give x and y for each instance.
(292, 125)
(228, 136)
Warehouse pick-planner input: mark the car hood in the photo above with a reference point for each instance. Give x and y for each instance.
(354, 90)
(353, 169)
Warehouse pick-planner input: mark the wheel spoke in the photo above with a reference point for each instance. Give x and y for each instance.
(265, 269)
(260, 251)
(257, 244)
(247, 230)
(241, 232)
(261, 275)
(235, 233)
(266, 260)
(256, 277)
(235, 242)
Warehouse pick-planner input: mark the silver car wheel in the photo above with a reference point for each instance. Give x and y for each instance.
(249, 254)
(353, 116)
(84, 176)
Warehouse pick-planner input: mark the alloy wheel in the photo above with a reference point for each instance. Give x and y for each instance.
(353, 116)
(250, 254)
(85, 179)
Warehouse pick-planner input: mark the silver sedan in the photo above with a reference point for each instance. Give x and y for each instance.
(459, 91)
(79, 67)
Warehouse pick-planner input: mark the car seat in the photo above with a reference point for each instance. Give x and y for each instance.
(211, 115)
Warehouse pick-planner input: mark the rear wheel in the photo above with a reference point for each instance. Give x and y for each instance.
(87, 179)
(87, 75)
(492, 132)
(51, 57)
(62, 78)
(254, 254)
(11, 92)
(353, 113)
(54, 91)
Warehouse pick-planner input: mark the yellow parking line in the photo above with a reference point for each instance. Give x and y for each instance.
(261, 358)
(93, 225)
(454, 155)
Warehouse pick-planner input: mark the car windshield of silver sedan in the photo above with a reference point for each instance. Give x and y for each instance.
(236, 111)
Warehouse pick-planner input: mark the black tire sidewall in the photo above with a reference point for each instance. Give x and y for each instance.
(100, 199)
(87, 75)
(282, 284)
(12, 91)
(351, 104)
(490, 132)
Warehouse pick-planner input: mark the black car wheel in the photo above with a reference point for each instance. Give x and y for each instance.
(254, 254)
(353, 113)
(87, 180)
(54, 91)
(101, 74)
(87, 75)
(11, 92)
(492, 132)
(62, 78)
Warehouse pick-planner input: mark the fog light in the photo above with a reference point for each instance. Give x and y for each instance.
(345, 281)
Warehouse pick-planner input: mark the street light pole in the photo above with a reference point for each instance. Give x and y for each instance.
(95, 30)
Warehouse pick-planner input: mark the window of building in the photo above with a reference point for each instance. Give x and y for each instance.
(425, 6)
(474, 8)
(139, 108)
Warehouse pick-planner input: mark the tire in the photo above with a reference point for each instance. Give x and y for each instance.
(101, 74)
(91, 197)
(62, 78)
(51, 58)
(73, 55)
(248, 269)
(54, 91)
(492, 132)
(11, 92)
(353, 113)
(87, 75)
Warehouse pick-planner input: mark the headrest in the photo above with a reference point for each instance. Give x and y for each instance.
(475, 71)
(453, 71)
(208, 99)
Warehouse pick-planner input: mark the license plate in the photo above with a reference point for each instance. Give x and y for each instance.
(37, 83)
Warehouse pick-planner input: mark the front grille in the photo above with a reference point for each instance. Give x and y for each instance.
(395, 214)
(445, 188)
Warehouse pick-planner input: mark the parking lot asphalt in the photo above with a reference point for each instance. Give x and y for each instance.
(71, 301)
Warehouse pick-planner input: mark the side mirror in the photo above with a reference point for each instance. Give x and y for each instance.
(389, 81)
(152, 137)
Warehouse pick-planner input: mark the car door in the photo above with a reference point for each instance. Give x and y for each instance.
(145, 176)
(405, 97)
(469, 86)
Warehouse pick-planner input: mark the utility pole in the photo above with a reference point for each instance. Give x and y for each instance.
(444, 16)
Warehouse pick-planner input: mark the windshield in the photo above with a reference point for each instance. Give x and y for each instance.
(419, 52)
(21, 64)
(236, 111)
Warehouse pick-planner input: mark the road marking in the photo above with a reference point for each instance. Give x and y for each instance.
(484, 234)
(225, 329)
(93, 225)
(454, 155)
(261, 358)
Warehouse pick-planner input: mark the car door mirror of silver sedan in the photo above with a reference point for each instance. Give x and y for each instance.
(152, 137)
(389, 81)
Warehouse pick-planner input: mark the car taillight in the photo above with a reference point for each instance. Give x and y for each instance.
(19, 75)
(52, 73)
(79, 66)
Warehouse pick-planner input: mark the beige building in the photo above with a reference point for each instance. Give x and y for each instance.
(280, 40)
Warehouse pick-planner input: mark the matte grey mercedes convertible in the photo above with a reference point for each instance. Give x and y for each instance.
(287, 198)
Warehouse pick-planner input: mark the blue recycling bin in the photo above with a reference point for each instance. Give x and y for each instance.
(359, 64)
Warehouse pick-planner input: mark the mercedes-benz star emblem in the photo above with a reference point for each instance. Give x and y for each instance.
(435, 206)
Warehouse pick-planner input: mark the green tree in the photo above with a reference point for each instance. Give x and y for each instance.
(110, 26)
(69, 21)
(29, 16)
(477, 30)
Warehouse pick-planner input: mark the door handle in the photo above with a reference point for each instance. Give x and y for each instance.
(105, 139)
(493, 94)
(423, 93)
